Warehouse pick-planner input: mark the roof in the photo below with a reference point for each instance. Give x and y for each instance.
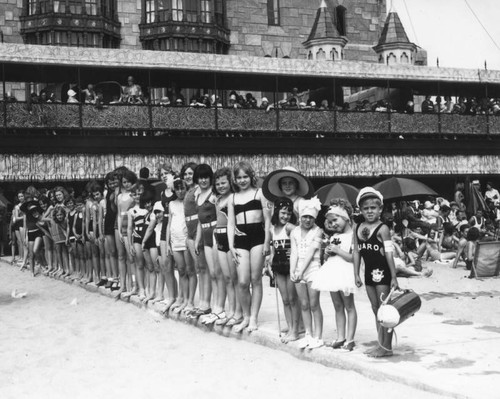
(393, 31)
(324, 25)
(58, 64)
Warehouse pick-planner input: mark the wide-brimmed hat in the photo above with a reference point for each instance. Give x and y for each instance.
(271, 184)
(30, 207)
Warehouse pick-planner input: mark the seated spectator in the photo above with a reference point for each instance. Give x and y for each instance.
(427, 105)
(179, 102)
(233, 102)
(429, 213)
(165, 101)
(205, 101)
(312, 105)
(71, 97)
(90, 95)
(34, 98)
(448, 105)
(492, 193)
(99, 100)
(460, 107)
(324, 105)
(291, 104)
(132, 93)
(495, 107)
(381, 106)
(409, 108)
(52, 98)
(264, 103)
(439, 108)
(250, 101)
(404, 261)
(471, 106)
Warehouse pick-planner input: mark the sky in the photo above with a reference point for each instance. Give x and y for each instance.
(448, 29)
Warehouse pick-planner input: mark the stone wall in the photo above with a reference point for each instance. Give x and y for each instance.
(251, 34)
(129, 14)
(9, 20)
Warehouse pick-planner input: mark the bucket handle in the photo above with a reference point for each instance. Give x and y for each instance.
(388, 298)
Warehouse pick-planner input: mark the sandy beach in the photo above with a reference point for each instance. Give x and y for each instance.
(61, 341)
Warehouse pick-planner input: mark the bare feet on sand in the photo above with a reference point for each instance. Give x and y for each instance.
(379, 352)
(240, 327)
(290, 337)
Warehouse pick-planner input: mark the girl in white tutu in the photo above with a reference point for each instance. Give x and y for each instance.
(337, 273)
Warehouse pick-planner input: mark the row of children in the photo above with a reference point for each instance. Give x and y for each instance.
(216, 231)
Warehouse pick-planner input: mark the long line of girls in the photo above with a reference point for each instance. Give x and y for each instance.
(212, 234)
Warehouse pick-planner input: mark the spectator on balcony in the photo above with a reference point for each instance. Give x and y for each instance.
(250, 101)
(324, 105)
(205, 101)
(439, 107)
(43, 96)
(495, 107)
(132, 93)
(460, 107)
(291, 104)
(34, 99)
(312, 106)
(71, 97)
(99, 100)
(9, 98)
(427, 105)
(90, 96)
(52, 98)
(448, 105)
(471, 107)
(233, 101)
(264, 104)
(165, 101)
(179, 102)
(215, 100)
(409, 108)
(492, 193)
(381, 106)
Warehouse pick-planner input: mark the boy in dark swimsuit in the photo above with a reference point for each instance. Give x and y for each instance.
(372, 243)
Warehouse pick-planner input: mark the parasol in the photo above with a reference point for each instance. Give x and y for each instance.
(401, 188)
(337, 190)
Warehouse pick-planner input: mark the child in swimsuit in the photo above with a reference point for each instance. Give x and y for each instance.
(372, 243)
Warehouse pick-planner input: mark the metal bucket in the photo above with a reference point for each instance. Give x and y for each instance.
(396, 309)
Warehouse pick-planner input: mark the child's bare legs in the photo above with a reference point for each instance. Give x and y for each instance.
(160, 281)
(20, 244)
(384, 347)
(243, 269)
(303, 296)
(233, 309)
(218, 283)
(33, 249)
(139, 262)
(316, 311)
(122, 262)
(180, 261)
(152, 275)
(96, 262)
(256, 266)
(110, 248)
(131, 272)
(167, 269)
(47, 244)
(192, 277)
(289, 306)
(201, 267)
(344, 304)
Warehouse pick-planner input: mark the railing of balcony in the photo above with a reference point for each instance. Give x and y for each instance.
(89, 119)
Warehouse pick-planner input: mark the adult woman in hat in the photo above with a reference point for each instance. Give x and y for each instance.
(34, 235)
(289, 183)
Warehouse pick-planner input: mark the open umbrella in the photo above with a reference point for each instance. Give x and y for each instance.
(337, 190)
(401, 188)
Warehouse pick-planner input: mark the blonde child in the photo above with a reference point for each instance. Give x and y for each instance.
(304, 263)
(337, 273)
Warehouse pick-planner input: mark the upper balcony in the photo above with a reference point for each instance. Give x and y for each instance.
(224, 129)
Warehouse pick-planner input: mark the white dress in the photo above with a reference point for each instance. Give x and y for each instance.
(336, 274)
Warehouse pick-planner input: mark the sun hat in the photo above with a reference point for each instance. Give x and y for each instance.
(312, 104)
(310, 207)
(71, 93)
(428, 204)
(271, 185)
(158, 206)
(368, 192)
(265, 100)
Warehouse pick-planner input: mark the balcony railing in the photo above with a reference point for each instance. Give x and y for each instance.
(88, 119)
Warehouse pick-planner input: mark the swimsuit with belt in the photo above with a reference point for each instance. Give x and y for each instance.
(207, 215)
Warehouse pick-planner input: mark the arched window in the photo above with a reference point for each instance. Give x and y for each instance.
(391, 59)
(310, 55)
(321, 55)
(340, 16)
(334, 54)
(404, 59)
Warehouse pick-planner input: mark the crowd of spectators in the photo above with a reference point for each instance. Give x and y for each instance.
(132, 93)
